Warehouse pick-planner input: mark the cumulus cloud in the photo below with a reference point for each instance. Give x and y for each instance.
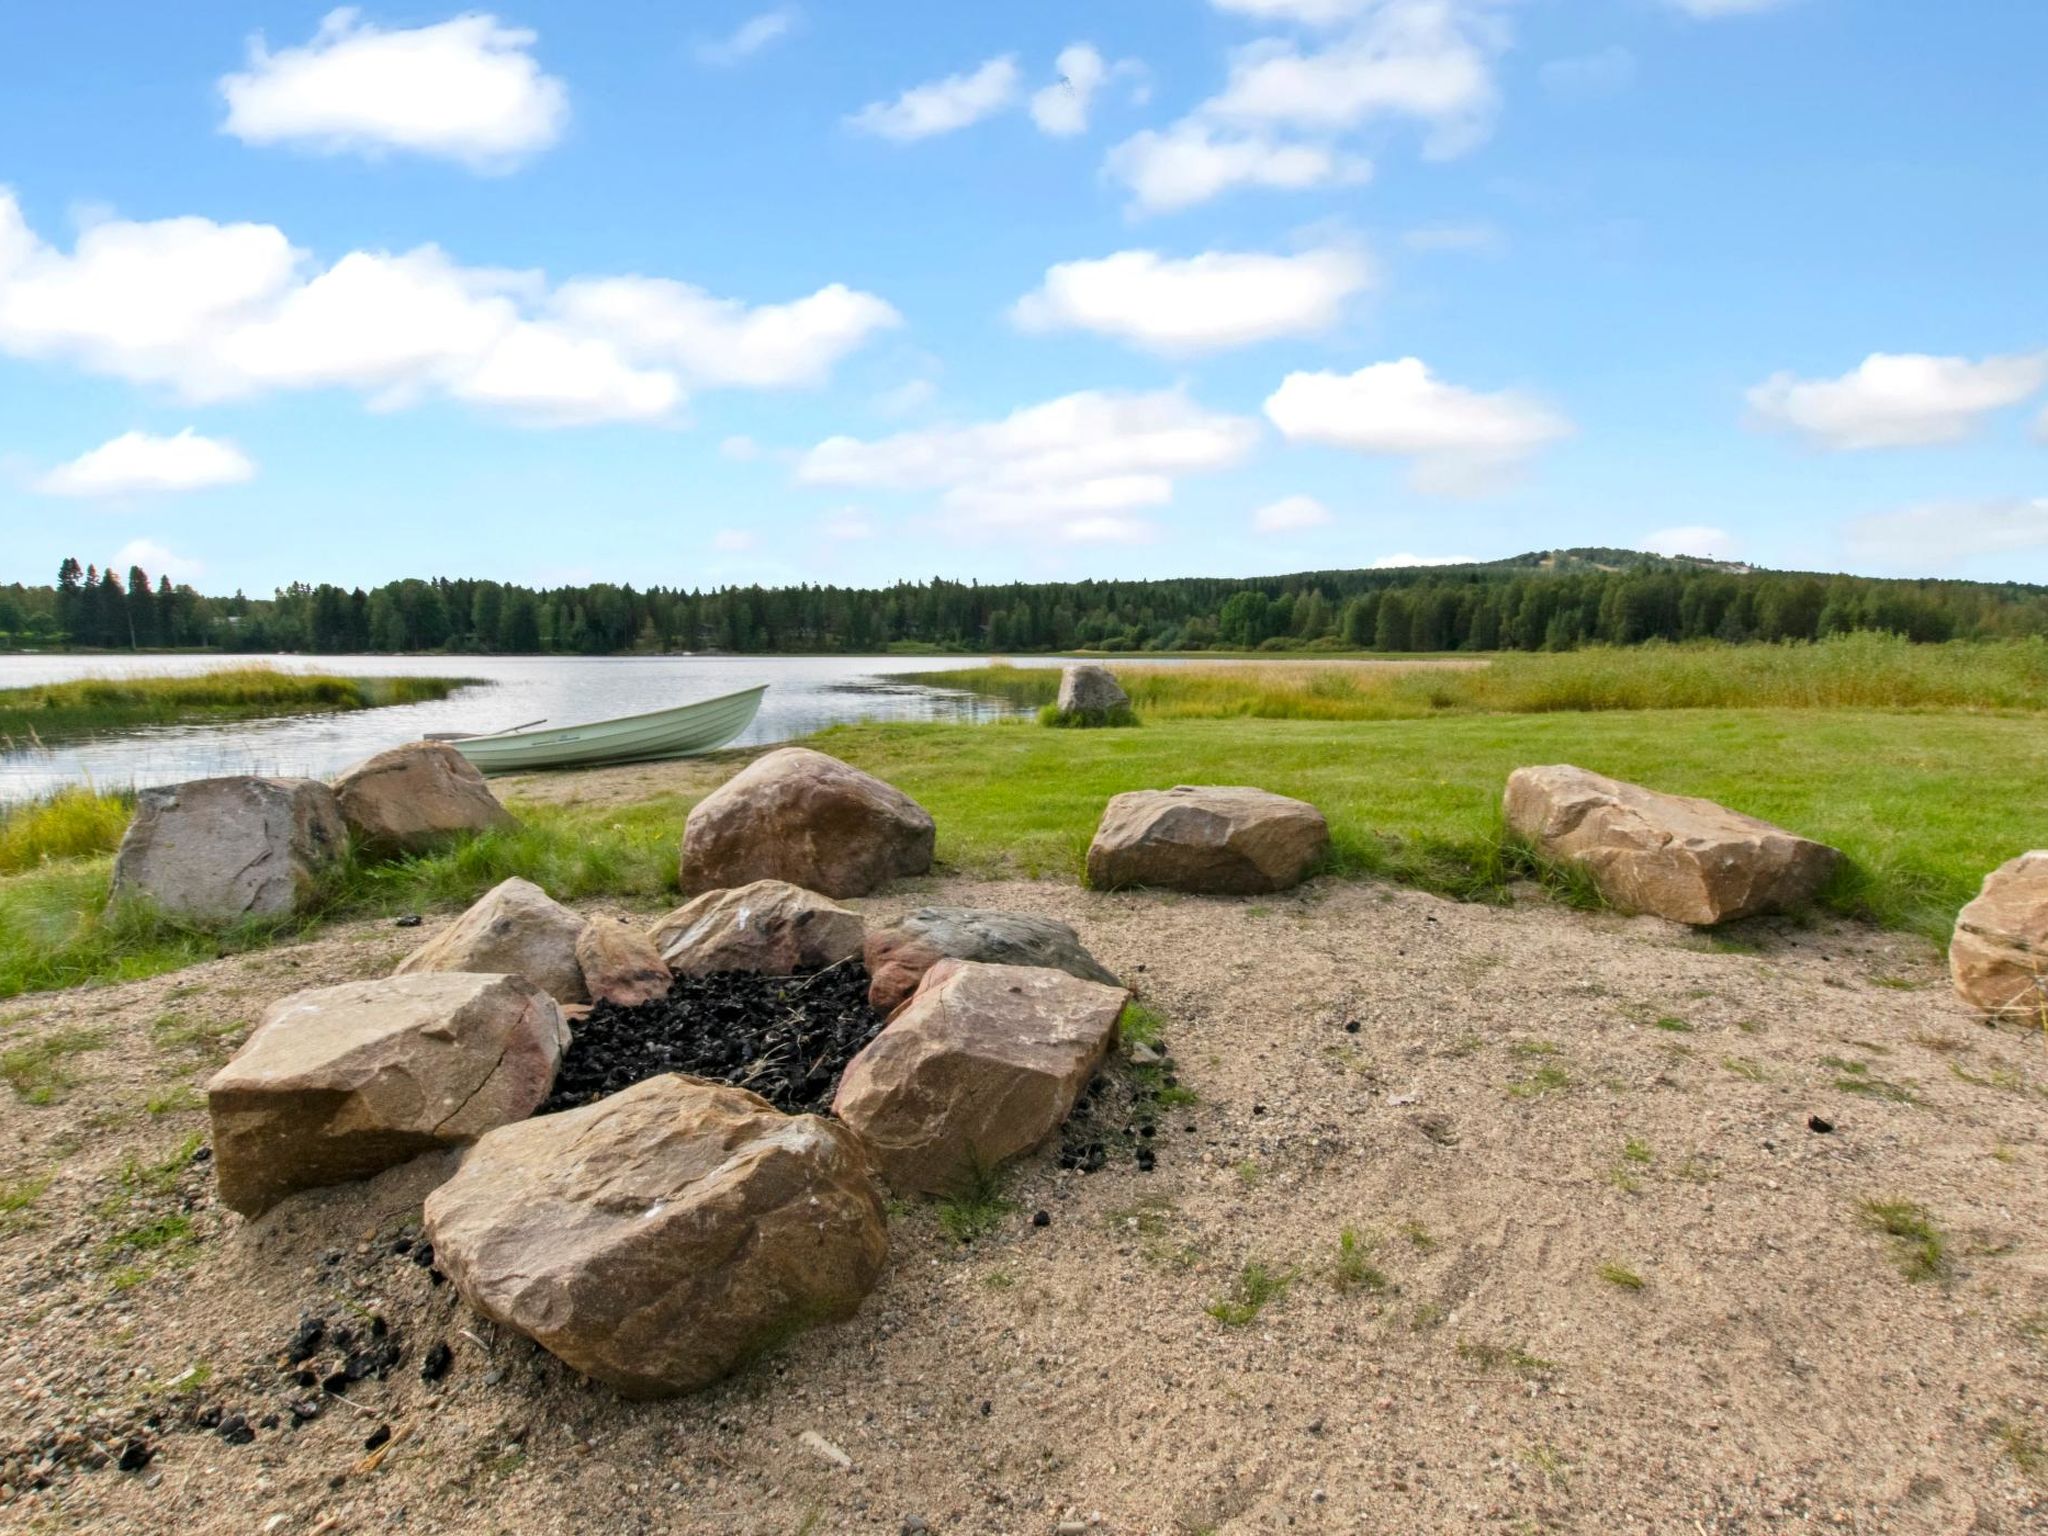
(1193, 161)
(1061, 109)
(943, 106)
(1898, 400)
(1078, 466)
(1202, 303)
(749, 38)
(1939, 534)
(1692, 539)
(156, 560)
(1287, 105)
(226, 311)
(137, 462)
(467, 90)
(1459, 440)
(1291, 514)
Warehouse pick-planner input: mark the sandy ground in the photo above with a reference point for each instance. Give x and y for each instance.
(1530, 1095)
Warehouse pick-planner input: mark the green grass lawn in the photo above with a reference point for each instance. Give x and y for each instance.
(1924, 803)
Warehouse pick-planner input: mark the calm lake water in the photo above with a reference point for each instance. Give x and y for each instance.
(805, 693)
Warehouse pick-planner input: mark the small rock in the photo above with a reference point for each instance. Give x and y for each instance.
(825, 1450)
(1042, 1219)
(377, 1437)
(410, 920)
(135, 1455)
(1818, 1125)
(437, 1362)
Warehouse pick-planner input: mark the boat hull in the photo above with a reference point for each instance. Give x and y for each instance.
(680, 732)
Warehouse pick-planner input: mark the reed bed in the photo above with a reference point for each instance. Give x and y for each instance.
(1863, 671)
(76, 822)
(52, 711)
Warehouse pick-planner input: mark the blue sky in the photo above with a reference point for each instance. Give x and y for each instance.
(701, 292)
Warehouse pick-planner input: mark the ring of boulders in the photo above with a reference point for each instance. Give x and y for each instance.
(659, 1237)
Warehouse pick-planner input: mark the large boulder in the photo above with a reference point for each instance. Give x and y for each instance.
(898, 956)
(800, 816)
(414, 797)
(344, 1082)
(661, 1236)
(1086, 689)
(219, 850)
(1210, 839)
(514, 927)
(769, 926)
(1999, 952)
(983, 1064)
(1686, 860)
(620, 963)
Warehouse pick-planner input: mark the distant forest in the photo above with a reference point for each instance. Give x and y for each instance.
(1549, 601)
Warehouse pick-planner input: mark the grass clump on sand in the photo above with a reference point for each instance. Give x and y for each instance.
(49, 711)
(1860, 671)
(1257, 1285)
(76, 822)
(57, 929)
(1354, 1270)
(1922, 1250)
(978, 1207)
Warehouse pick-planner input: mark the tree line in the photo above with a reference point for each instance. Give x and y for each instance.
(1536, 602)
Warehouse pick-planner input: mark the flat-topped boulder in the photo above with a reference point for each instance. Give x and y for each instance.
(1088, 690)
(620, 964)
(1999, 952)
(898, 956)
(514, 927)
(1672, 856)
(343, 1082)
(661, 1236)
(1209, 839)
(415, 797)
(216, 851)
(809, 819)
(981, 1065)
(767, 926)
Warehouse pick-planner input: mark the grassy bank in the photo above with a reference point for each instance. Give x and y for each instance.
(1864, 671)
(56, 930)
(1923, 803)
(52, 711)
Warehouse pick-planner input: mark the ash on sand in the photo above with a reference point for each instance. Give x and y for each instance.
(786, 1038)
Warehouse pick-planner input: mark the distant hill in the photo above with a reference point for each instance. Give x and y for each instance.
(1596, 559)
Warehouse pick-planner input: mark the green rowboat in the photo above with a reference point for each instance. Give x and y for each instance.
(680, 732)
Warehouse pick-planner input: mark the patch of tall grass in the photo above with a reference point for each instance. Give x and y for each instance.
(1860, 671)
(51, 711)
(57, 929)
(75, 822)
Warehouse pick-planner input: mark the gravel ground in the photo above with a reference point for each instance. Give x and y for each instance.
(1603, 1276)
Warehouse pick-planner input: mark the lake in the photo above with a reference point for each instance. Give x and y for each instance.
(805, 694)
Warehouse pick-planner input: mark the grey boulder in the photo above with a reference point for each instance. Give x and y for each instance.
(898, 956)
(220, 850)
(1086, 689)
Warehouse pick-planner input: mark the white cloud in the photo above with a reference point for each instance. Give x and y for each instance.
(1061, 108)
(1429, 60)
(722, 341)
(1896, 400)
(1694, 539)
(732, 540)
(1218, 299)
(1460, 440)
(907, 398)
(1711, 10)
(1291, 514)
(136, 461)
(942, 106)
(1285, 108)
(1193, 161)
(1077, 466)
(1398, 562)
(1109, 530)
(1939, 534)
(223, 311)
(749, 38)
(740, 448)
(467, 89)
(1478, 239)
(1604, 73)
(156, 560)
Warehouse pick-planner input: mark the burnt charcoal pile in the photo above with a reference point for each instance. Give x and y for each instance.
(786, 1038)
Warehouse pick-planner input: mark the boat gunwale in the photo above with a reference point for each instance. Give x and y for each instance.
(536, 736)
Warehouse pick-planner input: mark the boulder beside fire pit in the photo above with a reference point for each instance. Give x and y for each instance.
(768, 926)
(898, 956)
